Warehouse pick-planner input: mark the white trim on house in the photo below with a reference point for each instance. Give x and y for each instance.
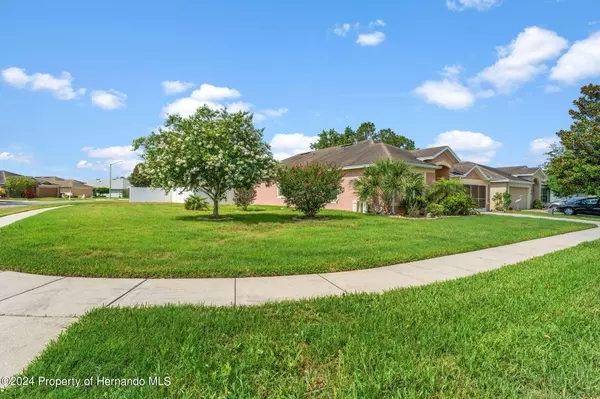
(531, 174)
(512, 181)
(416, 165)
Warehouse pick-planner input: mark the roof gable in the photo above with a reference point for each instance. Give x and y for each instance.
(430, 154)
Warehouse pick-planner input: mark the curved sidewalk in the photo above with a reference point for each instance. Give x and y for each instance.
(37, 295)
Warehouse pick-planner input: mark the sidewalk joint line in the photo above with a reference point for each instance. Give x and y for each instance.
(126, 292)
(335, 285)
(38, 317)
(31, 289)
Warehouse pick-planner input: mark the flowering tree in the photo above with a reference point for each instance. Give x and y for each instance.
(212, 151)
(310, 187)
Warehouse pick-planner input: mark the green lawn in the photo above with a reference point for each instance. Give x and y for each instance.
(526, 330)
(23, 208)
(158, 240)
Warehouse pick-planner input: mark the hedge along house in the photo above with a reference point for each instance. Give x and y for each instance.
(481, 181)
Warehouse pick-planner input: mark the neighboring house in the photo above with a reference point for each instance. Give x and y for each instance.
(43, 188)
(481, 181)
(75, 187)
(117, 185)
(5, 174)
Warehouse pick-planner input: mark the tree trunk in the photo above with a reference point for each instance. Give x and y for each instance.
(215, 208)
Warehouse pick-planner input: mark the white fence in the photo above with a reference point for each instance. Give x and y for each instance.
(147, 194)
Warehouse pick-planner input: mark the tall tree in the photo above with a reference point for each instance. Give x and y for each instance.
(366, 131)
(574, 164)
(212, 151)
(138, 178)
(388, 136)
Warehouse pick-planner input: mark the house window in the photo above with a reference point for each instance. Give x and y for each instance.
(478, 193)
(279, 193)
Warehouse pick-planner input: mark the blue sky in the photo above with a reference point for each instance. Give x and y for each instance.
(494, 79)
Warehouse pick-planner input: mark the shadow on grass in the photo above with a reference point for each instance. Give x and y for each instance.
(257, 216)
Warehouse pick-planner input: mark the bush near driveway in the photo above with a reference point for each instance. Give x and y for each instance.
(528, 330)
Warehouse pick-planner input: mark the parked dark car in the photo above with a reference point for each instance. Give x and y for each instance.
(580, 205)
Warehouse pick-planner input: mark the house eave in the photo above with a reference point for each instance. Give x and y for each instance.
(416, 165)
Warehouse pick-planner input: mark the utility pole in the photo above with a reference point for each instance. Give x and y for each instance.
(110, 178)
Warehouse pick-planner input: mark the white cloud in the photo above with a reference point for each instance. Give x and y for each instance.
(446, 93)
(108, 100)
(275, 113)
(371, 39)
(551, 89)
(580, 62)
(286, 145)
(542, 145)
(15, 157)
(103, 157)
(269, 113)
(376, 23)
(125, 151)
(343, 29)
(61, 87)
(175, 86)
(207, 94)
(470, 146)
(239, 106)
(187, 106)
(479, 5)
(523, 59)
(452, 72)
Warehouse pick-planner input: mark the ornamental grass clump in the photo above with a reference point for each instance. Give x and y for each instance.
(309, 188)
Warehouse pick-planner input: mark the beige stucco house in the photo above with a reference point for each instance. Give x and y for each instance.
(482, 182)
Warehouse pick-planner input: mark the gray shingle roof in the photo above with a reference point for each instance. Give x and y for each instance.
(427, 152)
(519, 170)
(362, 153)
(462, 168)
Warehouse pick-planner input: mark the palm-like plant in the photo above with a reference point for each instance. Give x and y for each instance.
(387, 183)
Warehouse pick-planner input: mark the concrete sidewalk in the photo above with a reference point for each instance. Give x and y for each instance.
(35, 308)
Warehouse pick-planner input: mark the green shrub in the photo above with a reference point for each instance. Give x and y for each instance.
(125, 193)
(537, 204)
(2, 193)
(15, 186)
(413, 211)
(244, 197)
(498, 200)
(309, 188)
(196, 203)
(460, 204)
(507, 199)
(502, 201)
(101, 191)
(436, 210)
(441, 189)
